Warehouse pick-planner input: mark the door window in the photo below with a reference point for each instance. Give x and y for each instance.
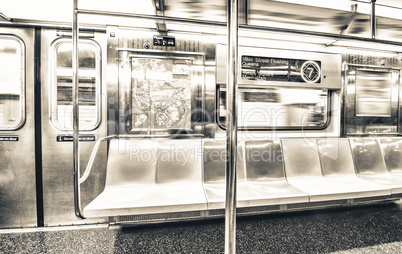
(12, 82)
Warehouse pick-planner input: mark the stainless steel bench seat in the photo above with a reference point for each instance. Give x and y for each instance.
(260, 179)
(151, 177)
(325, 171)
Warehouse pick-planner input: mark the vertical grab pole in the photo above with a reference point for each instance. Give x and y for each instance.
(76, 144)
(231, 128)
(372, 20)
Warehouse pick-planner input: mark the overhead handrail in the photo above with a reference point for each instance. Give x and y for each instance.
(3, 16)
(241, 26)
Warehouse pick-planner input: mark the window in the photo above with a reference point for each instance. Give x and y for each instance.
(89, 74)
(12, 82)
(278, 108)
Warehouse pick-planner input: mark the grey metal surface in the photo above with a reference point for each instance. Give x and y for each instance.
(17, 167)
(359, 64)
(151, 176)
(303, 170)
(58, 182)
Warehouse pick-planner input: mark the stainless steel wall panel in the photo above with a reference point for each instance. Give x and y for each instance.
(358, 63)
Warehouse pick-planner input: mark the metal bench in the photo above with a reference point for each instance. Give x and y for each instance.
(214, 176)
(338, 166)
(265, 174)
(333, 181)
(148, 176)
(392, 152)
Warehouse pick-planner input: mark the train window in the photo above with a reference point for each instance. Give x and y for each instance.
(12, 82)
(89, 85)
(278, 108)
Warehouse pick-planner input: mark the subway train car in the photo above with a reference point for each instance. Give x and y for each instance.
(318, 109)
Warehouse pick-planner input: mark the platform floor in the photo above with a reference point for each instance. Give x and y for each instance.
(360, 229)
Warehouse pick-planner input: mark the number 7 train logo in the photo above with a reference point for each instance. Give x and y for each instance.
(310, 72)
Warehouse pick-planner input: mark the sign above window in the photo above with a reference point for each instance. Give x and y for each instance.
(262, 67)
(280, 69)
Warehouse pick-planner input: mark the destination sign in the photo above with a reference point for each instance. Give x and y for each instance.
(68, 138)
(280, 69)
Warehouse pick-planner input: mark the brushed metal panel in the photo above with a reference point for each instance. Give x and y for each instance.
(58, 192)
(17, 167)
(361, 63)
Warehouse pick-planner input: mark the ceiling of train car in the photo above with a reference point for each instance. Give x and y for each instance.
(327, 16)
(214, 10)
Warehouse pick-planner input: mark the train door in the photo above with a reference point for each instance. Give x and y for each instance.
(17, 128)
(56, 72)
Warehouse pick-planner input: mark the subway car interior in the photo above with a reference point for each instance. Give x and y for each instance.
(319, 109)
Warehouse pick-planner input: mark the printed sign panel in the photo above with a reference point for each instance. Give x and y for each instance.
(280, 69)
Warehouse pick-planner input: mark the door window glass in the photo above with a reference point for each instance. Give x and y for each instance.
(89, 86)
(12, 82)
